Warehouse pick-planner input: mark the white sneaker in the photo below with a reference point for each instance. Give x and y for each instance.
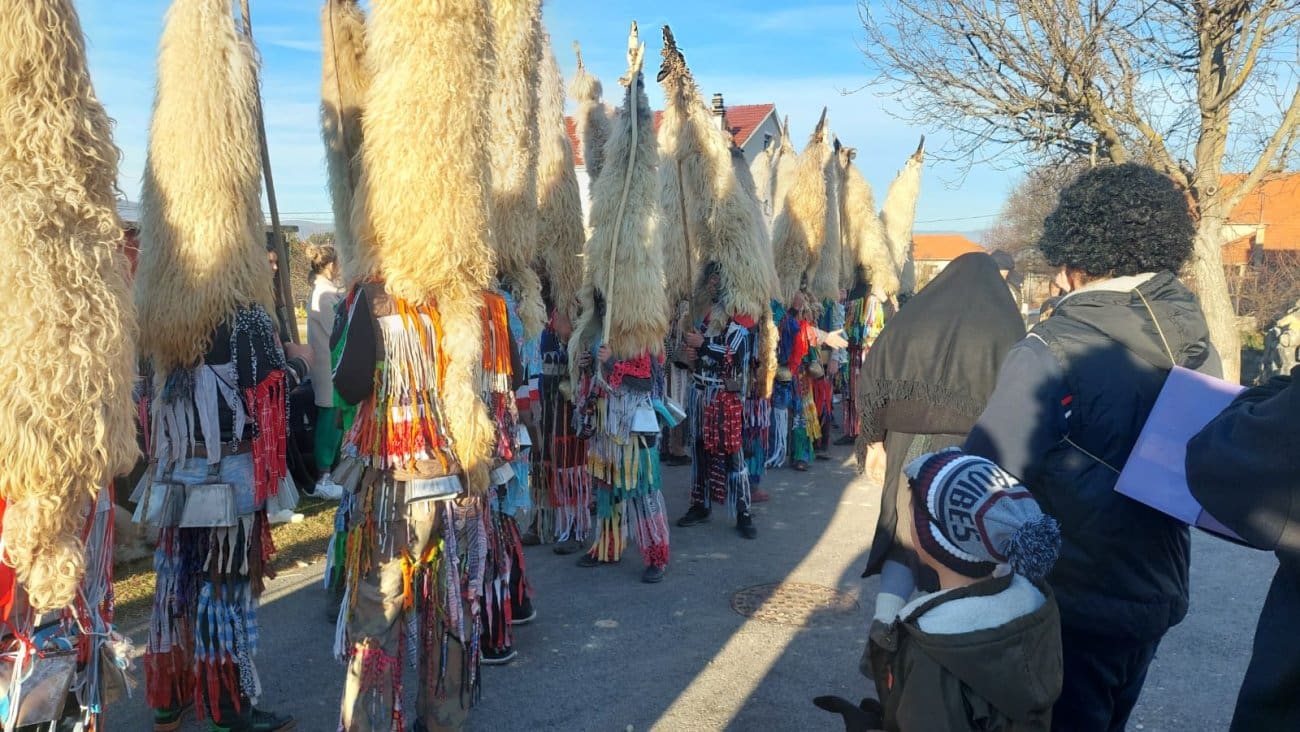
(284, 516)
(329, 490)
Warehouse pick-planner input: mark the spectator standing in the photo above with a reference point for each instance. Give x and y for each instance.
(1070, 402)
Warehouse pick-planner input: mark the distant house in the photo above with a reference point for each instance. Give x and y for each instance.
(1266, 222)
(933, 252)
(752, 126)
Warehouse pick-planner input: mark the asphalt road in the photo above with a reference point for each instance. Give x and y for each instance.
(612, 654)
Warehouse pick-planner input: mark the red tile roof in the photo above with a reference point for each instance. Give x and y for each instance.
(1275, 205)
(942, 247)
(743, 119)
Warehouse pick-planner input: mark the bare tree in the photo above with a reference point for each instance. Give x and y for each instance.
(1268, 287)
(1020, 224)
(1189, 86)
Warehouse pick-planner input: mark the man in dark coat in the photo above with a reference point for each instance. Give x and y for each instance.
(1244, 468)
(1070, 401)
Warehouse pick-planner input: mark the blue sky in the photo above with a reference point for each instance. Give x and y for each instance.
(799, 56)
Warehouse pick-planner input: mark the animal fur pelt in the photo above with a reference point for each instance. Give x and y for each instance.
(517, 39)
(899, 215)
(560, 233)
(425, 186)
(761, 172)
(768, 335)
(593, 120)
(638, 318)
(721, 215)
(344, 82)
(826, 275)
(67, 322)
(862, 230)
(710, 209)
(772, 172)
(683, 203)
(800, 230)
(202, 238)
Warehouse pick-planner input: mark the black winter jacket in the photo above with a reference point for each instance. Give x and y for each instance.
(1070, 402)
(1244, 468)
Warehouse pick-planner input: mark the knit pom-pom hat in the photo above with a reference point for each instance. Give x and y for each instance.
(971, 515)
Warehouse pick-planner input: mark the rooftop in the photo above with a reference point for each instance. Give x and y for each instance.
(1274, 206)
(942, 247)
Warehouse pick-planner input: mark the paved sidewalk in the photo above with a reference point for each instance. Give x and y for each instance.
(610, 653)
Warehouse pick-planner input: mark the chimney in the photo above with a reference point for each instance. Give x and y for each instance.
(720, 111)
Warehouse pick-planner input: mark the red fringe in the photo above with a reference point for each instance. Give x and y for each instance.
(168, 678)
(655, 555)
(210, 681)
(268, 405)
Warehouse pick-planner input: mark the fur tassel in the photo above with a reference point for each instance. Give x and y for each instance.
(67, 323)
(593, 120)
(425, 187)
(517, 36)
(344, 82)
(899, 215)
(863, 231)
(560, 233)
(639, 320)
(799, 231)
(203, 241)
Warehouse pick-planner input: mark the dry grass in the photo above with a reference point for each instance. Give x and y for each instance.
(300, 542)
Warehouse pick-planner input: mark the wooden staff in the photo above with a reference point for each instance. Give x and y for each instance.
(287, 317)
(635, 57)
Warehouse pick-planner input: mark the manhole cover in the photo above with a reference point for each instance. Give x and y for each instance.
(793, 603)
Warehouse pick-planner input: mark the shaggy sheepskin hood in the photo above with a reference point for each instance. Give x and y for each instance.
(593, 120)
(801, 228)
(344, 82)
(517, 39)
(560, 233)
(711, 215)
(202, 237)
(624, 243)
(709, 207)
(773, 173)
(864, 236)
(899, 215)
(425, 189)
(826, 276)
(67, 323)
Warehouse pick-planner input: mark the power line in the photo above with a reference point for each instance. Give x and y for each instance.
(960, 218)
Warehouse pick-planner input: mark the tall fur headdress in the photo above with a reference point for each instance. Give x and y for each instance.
(680, 206)
(67, 323)
(517, 38)
(800, 230)
(560, 233)
(593, 120)
(624, 215)
(425, 186)
(863, 233)
(899, 215)
(202, 237)
(720, 214)
(344, 82)
(825, 276)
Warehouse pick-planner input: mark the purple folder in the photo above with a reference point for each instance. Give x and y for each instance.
(1156, 472)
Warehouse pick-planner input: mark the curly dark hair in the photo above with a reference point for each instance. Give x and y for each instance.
(1119, 220)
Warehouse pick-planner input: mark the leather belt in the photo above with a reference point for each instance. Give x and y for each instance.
(228, 449)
